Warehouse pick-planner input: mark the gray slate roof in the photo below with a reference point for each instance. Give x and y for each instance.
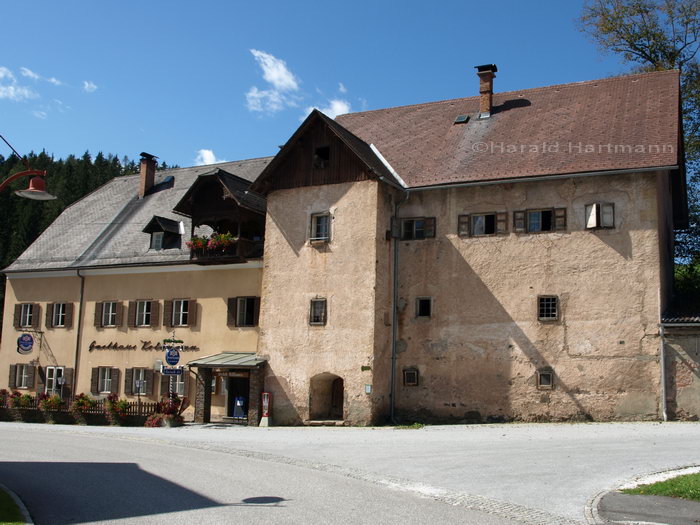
(105, 228)
(228, 360)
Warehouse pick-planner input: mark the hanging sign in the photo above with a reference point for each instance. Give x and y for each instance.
(172, 355)
(168, 371)
(25, 343)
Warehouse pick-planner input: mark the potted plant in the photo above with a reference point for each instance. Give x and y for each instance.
(116, 409)
(81, 404)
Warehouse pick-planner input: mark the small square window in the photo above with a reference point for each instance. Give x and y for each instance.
(320, 227)
(318, 313)
(600, 215)
(545, 379)
(539, 221)
(410, 377)
(548, 308)
(483, 224)
(322, 156)
(424, 307)
(157, 240)
(417, 228)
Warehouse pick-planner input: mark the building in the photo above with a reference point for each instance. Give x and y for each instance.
(504, 256)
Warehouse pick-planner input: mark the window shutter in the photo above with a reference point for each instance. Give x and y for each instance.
(18, 315)
(429, 231)
(69, 316)
(164, 385)
(129, 381)
(519, 221)
(607, 215)
(131, 315)
(120, 314)
(36, 315)
(559, 219)
(168, 314)
(31, 377)
(501, 222)
(591, 216)
(186, 379)
(256, 311)
(192, 312)
(325, 311)
(12, 383)
(49, 315)
(155, 313)
(149, 382)
(463, 222)
(114, 376)
(67, 383)
(95, 382)
(98, 314)
(231, 314)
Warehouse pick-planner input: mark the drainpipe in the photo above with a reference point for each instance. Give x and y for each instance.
(79, 335)
(662, 362)
(394, 305)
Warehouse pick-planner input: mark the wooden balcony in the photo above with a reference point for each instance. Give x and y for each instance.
(239, 252)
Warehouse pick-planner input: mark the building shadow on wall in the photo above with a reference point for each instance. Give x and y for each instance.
(283, 409)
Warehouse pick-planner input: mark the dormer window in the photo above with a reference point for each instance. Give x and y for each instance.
(157, 240)
(165, 233)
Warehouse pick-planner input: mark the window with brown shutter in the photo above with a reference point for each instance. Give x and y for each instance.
(131, 315)
(27, 315)
(12, 383)
(247, 311)
(519, 221)
(192, 313)
(539, 220)
(168, 313)
(232, 311)
(128, 381)
(98, 315)
(48, 322)
(69, 315)
(482, 224)
(155, 314)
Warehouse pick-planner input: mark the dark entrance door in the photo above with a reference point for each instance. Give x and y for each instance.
(238, 391)
(337, 399)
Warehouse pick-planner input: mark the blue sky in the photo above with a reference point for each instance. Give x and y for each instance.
(228, 80)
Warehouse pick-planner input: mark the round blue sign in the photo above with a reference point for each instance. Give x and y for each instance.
(25, 343)
(172, 356)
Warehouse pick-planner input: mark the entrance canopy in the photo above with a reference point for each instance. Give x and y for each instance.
(228, 360)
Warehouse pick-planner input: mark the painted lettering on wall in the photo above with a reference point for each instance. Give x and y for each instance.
(145, 345)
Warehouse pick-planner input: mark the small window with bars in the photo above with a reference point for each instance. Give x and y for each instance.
(410, 377)
(545, 379)
(318, 314)
(548, 308)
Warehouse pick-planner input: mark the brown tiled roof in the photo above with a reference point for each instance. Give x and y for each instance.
(534, 132)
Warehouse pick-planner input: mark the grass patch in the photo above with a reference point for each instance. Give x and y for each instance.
(686, 487)
(412, 426)
(9, 513)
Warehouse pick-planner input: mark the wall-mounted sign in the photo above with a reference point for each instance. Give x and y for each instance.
(146, 346)
(172, 355)
(25, 343)
(168, 371)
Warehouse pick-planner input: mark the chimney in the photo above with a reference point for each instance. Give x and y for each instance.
(148, 173)
(486, 73)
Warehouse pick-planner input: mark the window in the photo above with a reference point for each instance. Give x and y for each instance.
(181, 308)
(410, 377)
(143, 313)
(545, 379)
(600, 215)
(105, 380)
(320, 227)
(22, 376)
(109, 313)
(26, 319)
(537, 221)
(318, 312)
(424, 307)
(139, 386)
(417, 228)
(54, 379)
(58, 319)
(548, 308)
(157, 240)
(322, 156)
(177, 385)
(247, 311)
(480, 224)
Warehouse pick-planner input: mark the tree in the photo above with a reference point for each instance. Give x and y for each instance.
(657, 35)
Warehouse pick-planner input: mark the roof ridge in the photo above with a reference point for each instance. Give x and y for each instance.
(528, 90)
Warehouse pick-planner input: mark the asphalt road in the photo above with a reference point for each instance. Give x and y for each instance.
(528, 473)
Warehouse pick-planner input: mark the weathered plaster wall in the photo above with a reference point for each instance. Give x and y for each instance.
(211, 288)
(479, 353)
(344, 272)
(683, 373)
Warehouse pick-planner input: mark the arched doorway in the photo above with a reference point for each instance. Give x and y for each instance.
(326, 397)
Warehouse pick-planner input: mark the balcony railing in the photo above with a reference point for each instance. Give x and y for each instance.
(237, 252)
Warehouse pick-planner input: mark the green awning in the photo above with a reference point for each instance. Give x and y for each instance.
(228, 360)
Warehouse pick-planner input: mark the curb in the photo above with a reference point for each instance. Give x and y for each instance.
(20, 504)
(591, 509)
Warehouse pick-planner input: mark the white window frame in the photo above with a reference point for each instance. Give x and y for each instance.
(317, 232)
(26, 315)
(600, 215)
(177, 385)
(58, 316)
(143, 313)
(104, 380)
(245, 308)
(181, 311)
(53, 374)
(22, 376)
(157, 240)
(109, 313)
(139, 374)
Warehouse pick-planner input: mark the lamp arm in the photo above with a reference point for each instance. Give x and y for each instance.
(19, 175)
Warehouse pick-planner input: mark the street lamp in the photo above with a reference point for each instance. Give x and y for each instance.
(37, 185)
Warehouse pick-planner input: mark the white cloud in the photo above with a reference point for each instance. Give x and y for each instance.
(282, 85)
(89, 86)
(29, 73)
(206, 156)
(334, 108)
(342, 88)
(9, 88)
(54, 81)
(40, 114)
